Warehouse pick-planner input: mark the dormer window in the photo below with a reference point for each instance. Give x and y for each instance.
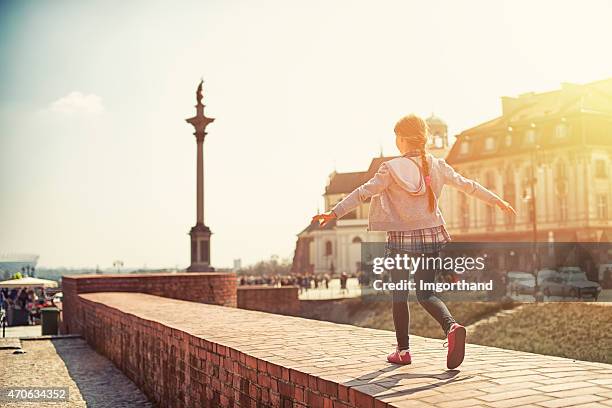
(600, 169)
(489, 144)
(438, 142)
(530, 136)
(561, 131)
(464, 147)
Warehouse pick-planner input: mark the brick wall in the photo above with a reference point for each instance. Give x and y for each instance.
(212, 288)
(280, 300)
(177, 369)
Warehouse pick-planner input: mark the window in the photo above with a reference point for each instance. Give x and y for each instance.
(561, 189)
(530, 136)
(561, 170)
(600, 168)
(508, 140)
(562, 215)
(464, 147)
(490, 220)
(489, 143)
(328, 248)
(464, 211)
(527, 196)
(490, 211)
(438, 142)
(529, 207)
(561, 131)
(602, 207)
(509, 194)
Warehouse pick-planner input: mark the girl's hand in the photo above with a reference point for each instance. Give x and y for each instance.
(506, 207)
(324, 218)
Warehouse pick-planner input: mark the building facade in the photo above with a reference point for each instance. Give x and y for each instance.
(556, 146)
(549, 154)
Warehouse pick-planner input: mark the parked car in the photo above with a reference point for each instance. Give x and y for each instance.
(520, 283)
(605, 275)
(579, 284)
(567, 282)
(544, 274)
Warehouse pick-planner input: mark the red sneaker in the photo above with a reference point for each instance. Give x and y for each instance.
(400, 357)
(456, 346)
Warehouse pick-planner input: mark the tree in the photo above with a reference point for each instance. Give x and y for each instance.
(273, 266)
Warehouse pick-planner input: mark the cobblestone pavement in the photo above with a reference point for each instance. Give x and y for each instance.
(355, 357)
(92, 380)
(23, 331)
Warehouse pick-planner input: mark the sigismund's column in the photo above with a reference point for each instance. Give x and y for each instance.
(200, 233)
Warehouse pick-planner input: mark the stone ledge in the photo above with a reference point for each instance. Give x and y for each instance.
(281, 300)
(213, 288)
(190, 354)
(145, 275)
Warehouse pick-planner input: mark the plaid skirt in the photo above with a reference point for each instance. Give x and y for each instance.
(426, 240)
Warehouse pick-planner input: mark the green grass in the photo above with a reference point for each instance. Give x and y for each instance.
(574, 330)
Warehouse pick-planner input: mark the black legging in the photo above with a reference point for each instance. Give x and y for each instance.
(426, 298)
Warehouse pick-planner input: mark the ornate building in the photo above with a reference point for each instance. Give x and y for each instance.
(556, 146)
(337, 246)
(549, 154)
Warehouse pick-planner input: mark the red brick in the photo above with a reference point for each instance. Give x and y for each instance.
(360, 400)
(285, 373)
(251, 362)
(329, 388)
(313, 400)
(273, 370)
(298, 394)
(299, 378)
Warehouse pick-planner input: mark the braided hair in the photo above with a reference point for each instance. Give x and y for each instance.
(414, 130)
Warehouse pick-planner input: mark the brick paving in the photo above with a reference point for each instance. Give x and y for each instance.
(92, 380)
(343, 359)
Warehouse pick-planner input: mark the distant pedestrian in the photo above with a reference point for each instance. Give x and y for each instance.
(343, 280)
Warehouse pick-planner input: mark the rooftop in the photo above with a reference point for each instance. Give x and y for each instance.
(542, 111)
(343, 183)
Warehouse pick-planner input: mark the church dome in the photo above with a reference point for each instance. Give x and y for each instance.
(434, 120)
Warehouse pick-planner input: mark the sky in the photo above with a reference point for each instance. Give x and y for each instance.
(97, 163)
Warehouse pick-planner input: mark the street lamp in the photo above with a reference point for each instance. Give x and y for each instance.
(531, 199)
(118, 264)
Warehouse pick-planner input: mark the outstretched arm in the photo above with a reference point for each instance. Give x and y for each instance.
(473, 188)
(375, 185)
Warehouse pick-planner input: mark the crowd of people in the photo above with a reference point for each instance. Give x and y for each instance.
(25, 299)
(304, 281)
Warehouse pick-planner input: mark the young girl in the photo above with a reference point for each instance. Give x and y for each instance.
(403, 196)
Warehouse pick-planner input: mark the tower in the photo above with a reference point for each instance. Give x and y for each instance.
(200, 233)
(438, 130)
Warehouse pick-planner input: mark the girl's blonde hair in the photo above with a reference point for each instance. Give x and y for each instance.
(414, 130)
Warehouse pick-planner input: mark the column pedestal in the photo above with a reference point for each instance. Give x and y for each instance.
(200, 249)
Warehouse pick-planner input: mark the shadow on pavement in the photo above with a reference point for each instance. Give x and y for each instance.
(391, 381)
